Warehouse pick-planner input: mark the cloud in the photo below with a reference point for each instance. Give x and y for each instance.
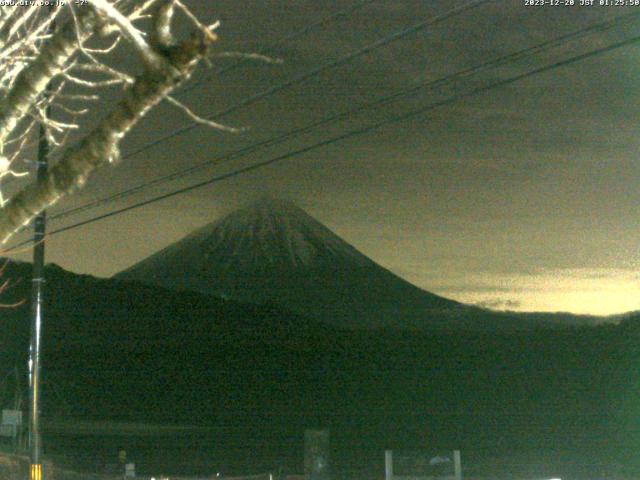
(500, 304)
(599, 291)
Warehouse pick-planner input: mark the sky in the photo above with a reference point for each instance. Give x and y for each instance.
(522, 197)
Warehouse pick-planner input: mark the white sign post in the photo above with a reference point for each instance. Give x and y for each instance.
(457, 465)
(388, 465)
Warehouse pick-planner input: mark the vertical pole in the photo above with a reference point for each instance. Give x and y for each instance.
(388, 465)
(37, 291)
(457, 465)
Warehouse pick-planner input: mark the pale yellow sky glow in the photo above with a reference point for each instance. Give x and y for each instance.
(582, 291)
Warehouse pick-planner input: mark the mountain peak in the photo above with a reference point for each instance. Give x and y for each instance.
(273, 203)
(273, 251)
(267, 211)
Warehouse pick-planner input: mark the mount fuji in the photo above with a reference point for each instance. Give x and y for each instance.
(273, 252)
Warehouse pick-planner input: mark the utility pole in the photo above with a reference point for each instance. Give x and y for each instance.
(37, 292)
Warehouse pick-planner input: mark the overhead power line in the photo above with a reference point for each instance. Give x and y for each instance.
(283, 40)
(351, 134)
(440, 82)
(316, 71)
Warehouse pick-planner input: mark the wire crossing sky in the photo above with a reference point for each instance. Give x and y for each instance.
(305, 76)
(362, 131)
(444, 81)
(318, 70)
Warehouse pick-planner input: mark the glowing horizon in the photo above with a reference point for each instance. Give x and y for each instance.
(585, 291)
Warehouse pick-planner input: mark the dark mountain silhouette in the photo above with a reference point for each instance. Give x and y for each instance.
(273, 251)
(257, 375)
(84, 310)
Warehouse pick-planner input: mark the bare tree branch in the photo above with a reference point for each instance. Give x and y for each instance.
(131, 33)
(33, 79)
(35, 60)
(101, 146)
(198, 119)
